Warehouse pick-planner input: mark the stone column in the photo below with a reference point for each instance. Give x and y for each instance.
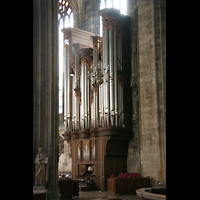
(152, 105)
(120, 90)
(45, 87)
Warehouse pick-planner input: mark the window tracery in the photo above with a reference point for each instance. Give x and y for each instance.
(64, 8)
(66, 19)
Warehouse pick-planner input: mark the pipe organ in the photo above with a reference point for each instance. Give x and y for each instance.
(95, 104)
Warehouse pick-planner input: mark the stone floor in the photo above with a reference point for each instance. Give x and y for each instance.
(104, 195)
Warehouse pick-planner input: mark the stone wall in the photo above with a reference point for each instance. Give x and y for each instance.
(85, 15)
(133, 157)
(147, 149)
(91, 19)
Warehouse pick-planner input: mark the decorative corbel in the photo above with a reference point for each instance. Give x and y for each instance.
(93, 145)
(113, 24)
(78, 95)
(96, 88)
(68, 46)
(105, 143)
(86, 60)
(91, 97)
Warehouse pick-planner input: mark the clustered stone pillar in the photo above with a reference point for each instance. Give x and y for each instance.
(45, 87)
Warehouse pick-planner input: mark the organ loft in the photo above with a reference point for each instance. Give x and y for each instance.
(99, 95)
(98, 117)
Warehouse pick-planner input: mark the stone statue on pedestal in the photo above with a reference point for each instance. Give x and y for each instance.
(40, 168)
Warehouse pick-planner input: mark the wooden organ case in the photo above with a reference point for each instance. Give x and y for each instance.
(99, 97)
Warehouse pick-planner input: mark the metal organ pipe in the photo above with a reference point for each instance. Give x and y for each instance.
(103, 88)
(94, 72)
(111, 76)
(107, 88)
(85, 96)
(65, 85)
(88, 100)
(76, 86)
(82, 95)
(73, 103)
(92, 105)
(115, 79)
(68, 92)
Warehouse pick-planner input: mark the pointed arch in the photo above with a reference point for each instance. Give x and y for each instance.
(66, 7)
(75, 6)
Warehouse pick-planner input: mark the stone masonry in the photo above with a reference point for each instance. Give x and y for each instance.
(147, 149)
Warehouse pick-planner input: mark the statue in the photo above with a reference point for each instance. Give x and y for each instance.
(40, 168)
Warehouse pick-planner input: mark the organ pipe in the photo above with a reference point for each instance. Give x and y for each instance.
(68, 92)
(82, 95)
(115, 79)
(111, 76)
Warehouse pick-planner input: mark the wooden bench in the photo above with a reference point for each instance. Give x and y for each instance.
(126, 185)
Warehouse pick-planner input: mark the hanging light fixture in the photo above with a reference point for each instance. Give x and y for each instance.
(99, 73)
(71, 72)
(97, 44)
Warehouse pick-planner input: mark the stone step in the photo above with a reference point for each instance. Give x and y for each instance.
(38, 187)
(89, 188)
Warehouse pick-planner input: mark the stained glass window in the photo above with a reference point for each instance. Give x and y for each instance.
(64, 8)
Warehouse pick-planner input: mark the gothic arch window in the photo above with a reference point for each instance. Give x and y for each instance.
(65, 13)
(118, 4)
(66, 19)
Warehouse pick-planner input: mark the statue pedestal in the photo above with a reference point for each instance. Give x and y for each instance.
(38, 187)
(39, 193)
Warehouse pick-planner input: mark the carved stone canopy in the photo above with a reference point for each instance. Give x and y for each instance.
(78, 95)
(86, 57)
(111, 18)
(91, 97)
(79, 36)
(76, 36)
(98, 45)
(110, 12)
